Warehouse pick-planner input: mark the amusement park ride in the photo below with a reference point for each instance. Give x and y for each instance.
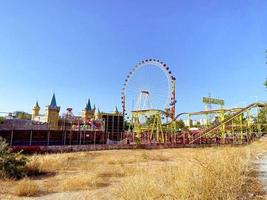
(159, 125)
(148, 117)
(144, 112)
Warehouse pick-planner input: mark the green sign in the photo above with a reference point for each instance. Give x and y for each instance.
(209, 100)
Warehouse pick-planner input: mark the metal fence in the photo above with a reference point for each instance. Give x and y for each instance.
(60, 137)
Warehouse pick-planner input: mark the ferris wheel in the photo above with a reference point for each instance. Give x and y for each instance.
(150, 80)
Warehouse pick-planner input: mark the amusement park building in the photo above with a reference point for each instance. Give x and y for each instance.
(49, 128)
(51, 116)
(90, 118)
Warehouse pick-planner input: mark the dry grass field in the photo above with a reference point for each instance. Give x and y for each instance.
(222, 173)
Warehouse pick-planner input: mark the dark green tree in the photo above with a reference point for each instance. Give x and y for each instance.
(2, 119)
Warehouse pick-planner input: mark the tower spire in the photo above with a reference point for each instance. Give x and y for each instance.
(116, 110)
(52, 113)
(88, 105)
(37, 104)
(53, 101)
(97, 113)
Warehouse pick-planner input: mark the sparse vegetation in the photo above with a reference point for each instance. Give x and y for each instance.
(201, 173)
(11, 164)
(218, 174)
(80, 182)
(26, 187)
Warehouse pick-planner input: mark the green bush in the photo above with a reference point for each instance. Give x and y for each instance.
(11, 164)
(2, 119)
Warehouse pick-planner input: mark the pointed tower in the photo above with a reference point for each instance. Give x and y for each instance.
(35, 110)
(97, 114)
(87, 112)
(116, 111)
(94, 109)
(52, 113)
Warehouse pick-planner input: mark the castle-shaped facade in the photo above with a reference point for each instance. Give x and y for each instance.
(52, 117)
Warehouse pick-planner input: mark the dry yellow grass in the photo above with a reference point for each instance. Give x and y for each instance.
(201, 173)
(27, 188)
(207, 175)
(79, 182)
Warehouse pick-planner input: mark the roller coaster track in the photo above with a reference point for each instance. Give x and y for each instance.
(209, 130)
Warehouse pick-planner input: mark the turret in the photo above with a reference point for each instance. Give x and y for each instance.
(87, 112)
(94, 108)
(52, 113)
(116, 111)
(97, 114)
(35, 110)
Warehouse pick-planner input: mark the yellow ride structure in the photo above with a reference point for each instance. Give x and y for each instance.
(233, 123)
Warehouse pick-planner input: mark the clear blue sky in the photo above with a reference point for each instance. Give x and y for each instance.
(80, 49)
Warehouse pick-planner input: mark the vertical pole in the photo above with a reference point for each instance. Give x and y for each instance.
(152, 130)
(120, 130)
(248, 126)
(107, 126)
(173, 101)
(31, 138)
(258, 122)
(233, 130)
(65, 135)
(11, 137)
(207, 115)
(70, 136)
(118, 126)
(223, 126)
(123, 111)
(189, 121)
(94, 137)
(48, 137)
(80, 136)
(112, 129)
(64, 142)
(84, 132)
(241, 128)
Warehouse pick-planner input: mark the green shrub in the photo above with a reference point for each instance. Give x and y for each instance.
(2, 119)
(11, 164)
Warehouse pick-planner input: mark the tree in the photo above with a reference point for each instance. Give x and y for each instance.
(180, 124)
(11, 164)
(262, 117)
(23, 115)
(2, 119)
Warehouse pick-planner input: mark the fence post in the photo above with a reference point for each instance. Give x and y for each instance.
(11, 138)
(70, 136)
(94, 138)
(112, 129)
(31, 138)
(48, 137)
(80, 139)
(64, 142)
